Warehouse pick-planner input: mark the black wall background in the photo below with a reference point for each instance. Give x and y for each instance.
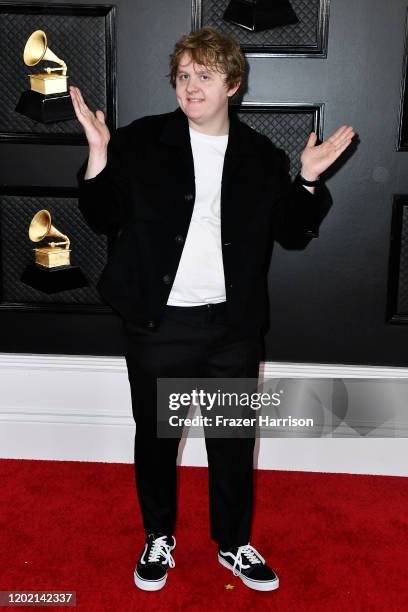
(328, 302)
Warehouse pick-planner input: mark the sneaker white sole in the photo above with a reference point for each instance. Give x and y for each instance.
(257, 585)
(149, 585)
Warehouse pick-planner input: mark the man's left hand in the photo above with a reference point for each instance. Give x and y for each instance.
(316, 159)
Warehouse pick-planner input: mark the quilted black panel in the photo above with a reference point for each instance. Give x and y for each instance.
(80, 40)
(303, 34)
(403, 119)
(88, 249)
(287, 130)
(402, 307)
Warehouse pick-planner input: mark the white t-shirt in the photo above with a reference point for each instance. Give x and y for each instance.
(200, 274)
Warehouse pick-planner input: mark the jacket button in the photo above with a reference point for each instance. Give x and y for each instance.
(227, 243)
(179, 238)
(188, 197)
(167, 279)
(151, 324)
(230, 285)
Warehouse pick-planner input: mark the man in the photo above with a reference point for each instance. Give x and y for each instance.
(193, 199)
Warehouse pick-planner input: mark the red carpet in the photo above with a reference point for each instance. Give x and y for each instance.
(337, 541)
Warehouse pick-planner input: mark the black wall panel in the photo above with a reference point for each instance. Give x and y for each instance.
(328, 302)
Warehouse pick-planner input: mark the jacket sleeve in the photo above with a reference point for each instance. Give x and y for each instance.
(105, 199)
(297, 211)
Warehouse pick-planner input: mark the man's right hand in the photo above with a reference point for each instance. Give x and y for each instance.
(96, 131)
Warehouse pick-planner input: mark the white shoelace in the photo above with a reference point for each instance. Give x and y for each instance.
(159, 549)
(250, 553)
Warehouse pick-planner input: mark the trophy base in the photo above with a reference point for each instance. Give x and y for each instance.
(257, 15)
(52, 280)
(48, 108)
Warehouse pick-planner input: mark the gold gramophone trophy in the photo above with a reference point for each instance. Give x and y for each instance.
(56, 253)
(48, 99)
(52, 270)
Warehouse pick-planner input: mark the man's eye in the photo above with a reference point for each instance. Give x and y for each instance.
(205, 77)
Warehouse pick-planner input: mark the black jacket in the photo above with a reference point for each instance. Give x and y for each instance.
(144, 198)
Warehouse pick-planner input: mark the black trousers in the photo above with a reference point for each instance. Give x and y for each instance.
(191, 342)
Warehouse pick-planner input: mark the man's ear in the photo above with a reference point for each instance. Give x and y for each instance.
(233, 89)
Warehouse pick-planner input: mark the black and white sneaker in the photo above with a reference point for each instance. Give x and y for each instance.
(250, 566)
(151, 569)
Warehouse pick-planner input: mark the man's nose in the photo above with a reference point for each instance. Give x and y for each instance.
(192, 85)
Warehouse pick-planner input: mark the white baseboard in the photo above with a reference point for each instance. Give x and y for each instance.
(62, 407)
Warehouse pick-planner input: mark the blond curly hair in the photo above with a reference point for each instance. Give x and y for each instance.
(213, 50)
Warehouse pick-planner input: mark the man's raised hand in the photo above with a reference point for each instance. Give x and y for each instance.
(96, 131)
(316, 159)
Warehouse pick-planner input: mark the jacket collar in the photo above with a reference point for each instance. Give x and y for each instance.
(176, 133)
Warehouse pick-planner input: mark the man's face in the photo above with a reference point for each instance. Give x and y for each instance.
(202, 93)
